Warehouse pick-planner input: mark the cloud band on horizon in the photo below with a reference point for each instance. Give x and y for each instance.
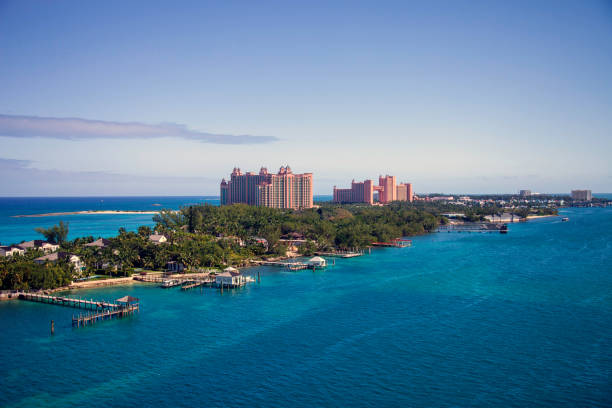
(86, 129)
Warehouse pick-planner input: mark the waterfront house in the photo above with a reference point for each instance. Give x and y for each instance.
(317, 262)
(99, 243)
(45, 246)
(11, 250)
(157, 238)
(175, 267)
(76, 262)
(230, 277)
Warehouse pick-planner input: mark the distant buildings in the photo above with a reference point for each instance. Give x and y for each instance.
(363, 192)
(282, 190)
(582, 195)
(358, 193)
(404, 192)
(525, 193)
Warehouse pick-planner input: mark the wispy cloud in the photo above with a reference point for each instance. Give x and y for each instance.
(84, 129)
(27, 180)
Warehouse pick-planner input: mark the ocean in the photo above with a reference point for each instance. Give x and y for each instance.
(456, 320)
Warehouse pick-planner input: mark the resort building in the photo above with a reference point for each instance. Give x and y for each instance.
(387, 189)
(358, 193)
(282, 190)
(582, 195)
(39, 244)
(76, 262)
(363, 192)
(11, 251)
(404, 192)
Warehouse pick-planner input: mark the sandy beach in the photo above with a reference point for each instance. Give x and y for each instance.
(83, 213)
(533, 217)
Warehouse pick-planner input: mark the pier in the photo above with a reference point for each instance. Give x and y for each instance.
(340, 254)
(291, 266)
(126, 306)
(96, 310)
(68, 301)
(474, 227)
(397, 243)
(186, 282)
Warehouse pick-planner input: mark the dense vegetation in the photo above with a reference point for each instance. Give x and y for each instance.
(20, 272)
(208, 236)
(330, 226)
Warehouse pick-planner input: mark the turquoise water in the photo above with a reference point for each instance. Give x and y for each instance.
(15, 230)
(523, 319)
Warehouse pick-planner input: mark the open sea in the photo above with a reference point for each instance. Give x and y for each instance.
(456, 320)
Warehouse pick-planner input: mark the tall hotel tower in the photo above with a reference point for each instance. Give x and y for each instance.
(281, 190)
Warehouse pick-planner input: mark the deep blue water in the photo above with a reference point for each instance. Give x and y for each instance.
(523, 319)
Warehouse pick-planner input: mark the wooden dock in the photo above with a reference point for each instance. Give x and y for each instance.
(178, 281)
(126, 306)
(397, 243)
(474, 227)
(97, 310)
(340, 254)
(68, 301)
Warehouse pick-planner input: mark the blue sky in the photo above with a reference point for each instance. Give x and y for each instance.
(135, 98)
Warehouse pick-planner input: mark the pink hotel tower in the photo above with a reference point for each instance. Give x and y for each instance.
(281, 190)
(363, 192)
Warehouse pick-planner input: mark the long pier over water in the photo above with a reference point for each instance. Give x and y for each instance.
(68, 301)
(96, 310)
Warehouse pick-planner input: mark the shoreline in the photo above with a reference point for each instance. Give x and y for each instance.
(130, 280)
(86, 212)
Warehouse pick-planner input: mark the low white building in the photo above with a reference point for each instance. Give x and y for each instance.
(76, 262)
(230, 277)
(11, 251)
(39, 244)
(317, 262)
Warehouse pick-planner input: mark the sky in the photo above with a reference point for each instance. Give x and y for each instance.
(166, 98)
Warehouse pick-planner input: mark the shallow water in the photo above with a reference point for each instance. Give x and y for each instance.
(523, 319)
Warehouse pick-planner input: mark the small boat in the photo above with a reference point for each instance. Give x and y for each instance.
(565, 219)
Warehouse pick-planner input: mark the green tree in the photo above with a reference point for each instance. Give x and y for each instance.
(56, 234)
